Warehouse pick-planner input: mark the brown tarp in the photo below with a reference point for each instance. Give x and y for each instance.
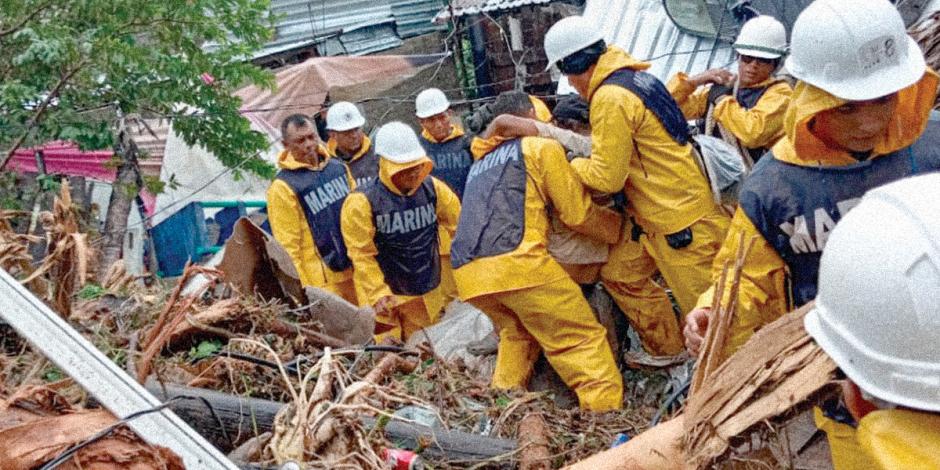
(303, 88)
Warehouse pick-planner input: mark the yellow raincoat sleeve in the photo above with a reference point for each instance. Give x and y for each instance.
(761, 125)
(614, 113)
(448, 207)
(900, 438)
(359, 235)
(568, 196)
(762, 297)
(288, 225)
(693, 101)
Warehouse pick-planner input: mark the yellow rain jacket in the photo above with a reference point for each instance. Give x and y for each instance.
(550, 180)
(366, 145)
(633, 152)
(764, 294)
(526, 293)
(290, 229)
(542, 113)
(884, 440)
(412, 312)
(757, 126)
(895, 439)
(447, 273)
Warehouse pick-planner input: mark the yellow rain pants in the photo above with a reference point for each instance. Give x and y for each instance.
(553, 317)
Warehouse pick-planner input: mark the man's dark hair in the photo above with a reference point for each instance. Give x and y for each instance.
(516, 103)
(582, 60)
(296, 120)
(571, 109)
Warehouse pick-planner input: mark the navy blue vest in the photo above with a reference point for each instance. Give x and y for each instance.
(492, 215)
(656, 98)
(406, 237)
(747, 98)
(452, 160)
(321, 195)
(364, 169)
(795, 207)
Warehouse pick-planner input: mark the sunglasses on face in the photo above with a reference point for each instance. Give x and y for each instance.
(750, 59)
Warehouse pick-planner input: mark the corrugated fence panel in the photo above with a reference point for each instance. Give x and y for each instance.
(642, 28)
(302, 21)
(413, 17)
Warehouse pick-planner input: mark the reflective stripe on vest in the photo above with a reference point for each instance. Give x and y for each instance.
(656, 98)
(406, 237)
(321, 195)
(492, 215)
(364, 169)
(796, 207)
(452, 160)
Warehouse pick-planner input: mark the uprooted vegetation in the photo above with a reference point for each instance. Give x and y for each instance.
(345, 401)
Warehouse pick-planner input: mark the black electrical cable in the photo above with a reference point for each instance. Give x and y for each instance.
(61, 458)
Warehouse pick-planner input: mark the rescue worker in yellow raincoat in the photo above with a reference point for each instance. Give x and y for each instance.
(391, 230)
(347, 142)
(641, 147)
(304, 203)
(542, 113)
(877, 316)
(749, 106)
(847, 132)
(502, 266)
(448, 147)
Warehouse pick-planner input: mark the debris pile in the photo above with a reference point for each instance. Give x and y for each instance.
(72, 437)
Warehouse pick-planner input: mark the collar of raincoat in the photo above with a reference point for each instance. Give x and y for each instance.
(287, 161)
(388, 169)
(480, 146)
(766, 83)
(366, 144)
(455, 132)
(802, 147)
(611, 61)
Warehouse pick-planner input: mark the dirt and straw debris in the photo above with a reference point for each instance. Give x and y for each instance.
(214, 337)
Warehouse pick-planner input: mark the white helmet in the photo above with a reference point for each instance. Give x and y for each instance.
(877, 313)
(430, 102)
(570, 35)
(398, 143)
(854, 49)
(763, 37)
(344, 116)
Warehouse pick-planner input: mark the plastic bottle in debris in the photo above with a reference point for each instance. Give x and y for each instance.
(400, 459)
(620, 438)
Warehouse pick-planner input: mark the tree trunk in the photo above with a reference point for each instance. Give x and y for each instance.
(124, 189)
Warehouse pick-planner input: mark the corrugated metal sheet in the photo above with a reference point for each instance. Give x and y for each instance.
(472, 7)
(642, 28)
(351, 27)
(413, 17)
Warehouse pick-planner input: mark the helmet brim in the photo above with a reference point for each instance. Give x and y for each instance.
(858, 365)
(882, 83)
(359, 122)
(761, 54)
(433, 111)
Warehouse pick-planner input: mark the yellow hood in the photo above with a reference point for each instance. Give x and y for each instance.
(388, 169)
(366, 144)
(801, 147)
(480, 146)
(287, 161)
(611, 61)
(455, 132)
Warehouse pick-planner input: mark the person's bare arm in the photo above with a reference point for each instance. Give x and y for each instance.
(507, 125)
